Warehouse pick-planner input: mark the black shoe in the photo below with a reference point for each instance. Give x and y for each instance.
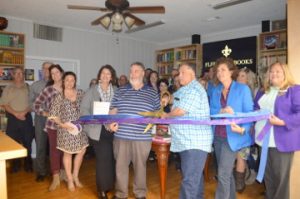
(40, 178)
(28, 164)
(15, 166)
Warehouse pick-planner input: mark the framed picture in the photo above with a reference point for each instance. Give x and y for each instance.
(271, 41)
(6, 73)
(29, 74)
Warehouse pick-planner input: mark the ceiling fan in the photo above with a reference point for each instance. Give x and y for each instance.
(119, 12)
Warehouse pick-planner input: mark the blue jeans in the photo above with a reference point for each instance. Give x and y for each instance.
(192, 164)
(225, 160)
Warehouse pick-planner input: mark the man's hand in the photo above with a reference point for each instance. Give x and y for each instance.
(164, 115)
(20, 116)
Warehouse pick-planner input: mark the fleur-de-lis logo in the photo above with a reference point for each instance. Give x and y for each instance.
(226, 51)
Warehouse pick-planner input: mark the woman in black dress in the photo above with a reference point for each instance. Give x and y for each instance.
(100, 138)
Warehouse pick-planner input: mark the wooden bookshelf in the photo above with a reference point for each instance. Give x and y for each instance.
(170, 58)
(272, 47)
(12, 53)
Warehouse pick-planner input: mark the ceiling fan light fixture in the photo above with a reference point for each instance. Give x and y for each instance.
(117, 18)
(105, 22)
(117, 27)
(129, 21)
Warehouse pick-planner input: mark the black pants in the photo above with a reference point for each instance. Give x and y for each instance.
(21, 131)
(105, 162)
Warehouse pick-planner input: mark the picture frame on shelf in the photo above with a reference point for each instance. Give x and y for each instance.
(271, 41)
(6, 73)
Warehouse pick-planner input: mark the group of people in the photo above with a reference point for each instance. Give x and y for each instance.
(56, 101)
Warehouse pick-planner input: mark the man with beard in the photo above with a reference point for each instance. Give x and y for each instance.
(130, 143)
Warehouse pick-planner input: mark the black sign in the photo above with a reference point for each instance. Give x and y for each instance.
(242, 51)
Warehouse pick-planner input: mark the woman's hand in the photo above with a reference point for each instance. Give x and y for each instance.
(276, 121)
(227, 109)
(113, 127)
(66, 126)
(55, 119)
(236, 128)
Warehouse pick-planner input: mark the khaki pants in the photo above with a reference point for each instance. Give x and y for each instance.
(126, 151)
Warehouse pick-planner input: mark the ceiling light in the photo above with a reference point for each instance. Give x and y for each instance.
(105, 22)
(117, 21)
(129, 21)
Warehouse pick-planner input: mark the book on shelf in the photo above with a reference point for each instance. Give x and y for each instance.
(270, 59)
(11, 41)
(165, 57)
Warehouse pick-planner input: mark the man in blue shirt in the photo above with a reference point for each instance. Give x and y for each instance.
(193, 142)
(131, 144)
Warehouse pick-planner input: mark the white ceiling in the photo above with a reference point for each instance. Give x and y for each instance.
(182, 18)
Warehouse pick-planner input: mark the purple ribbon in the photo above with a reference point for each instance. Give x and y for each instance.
(106, 119)
(264, 131)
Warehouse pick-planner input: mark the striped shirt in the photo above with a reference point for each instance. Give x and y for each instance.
(43, 102)
(130, 101)
(192, 98)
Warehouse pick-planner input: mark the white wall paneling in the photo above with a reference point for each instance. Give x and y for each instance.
(35, 63)
(92, 49)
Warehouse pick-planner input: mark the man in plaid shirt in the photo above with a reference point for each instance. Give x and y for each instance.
(192, 142)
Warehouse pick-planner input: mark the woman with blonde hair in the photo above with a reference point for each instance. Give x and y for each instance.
(281, 96)
(245, 76)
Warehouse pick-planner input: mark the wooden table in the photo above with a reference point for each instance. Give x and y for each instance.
(9, 149)
(162, 151)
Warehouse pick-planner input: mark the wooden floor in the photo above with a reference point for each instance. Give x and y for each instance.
(22, 185)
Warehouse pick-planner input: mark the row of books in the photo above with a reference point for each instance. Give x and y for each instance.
(186, 54)
(165, 57)
(165, 69)
(10, 41)
(11, 57)
(266, 61)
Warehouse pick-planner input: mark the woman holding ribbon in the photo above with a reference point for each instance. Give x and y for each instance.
(281, 97)
(229, 97)
(101, 139)
(70, 140)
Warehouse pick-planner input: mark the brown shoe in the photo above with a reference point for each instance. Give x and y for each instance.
(55, 182)
(240, 181)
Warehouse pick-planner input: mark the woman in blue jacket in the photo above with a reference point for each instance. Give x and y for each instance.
(229, 96)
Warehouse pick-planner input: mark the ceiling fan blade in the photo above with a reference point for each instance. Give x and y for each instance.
(149, 25)
(147, 9)
(78, 7)
(138, 21)
(98, 20)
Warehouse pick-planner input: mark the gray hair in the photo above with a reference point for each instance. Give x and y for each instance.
(140, 64)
